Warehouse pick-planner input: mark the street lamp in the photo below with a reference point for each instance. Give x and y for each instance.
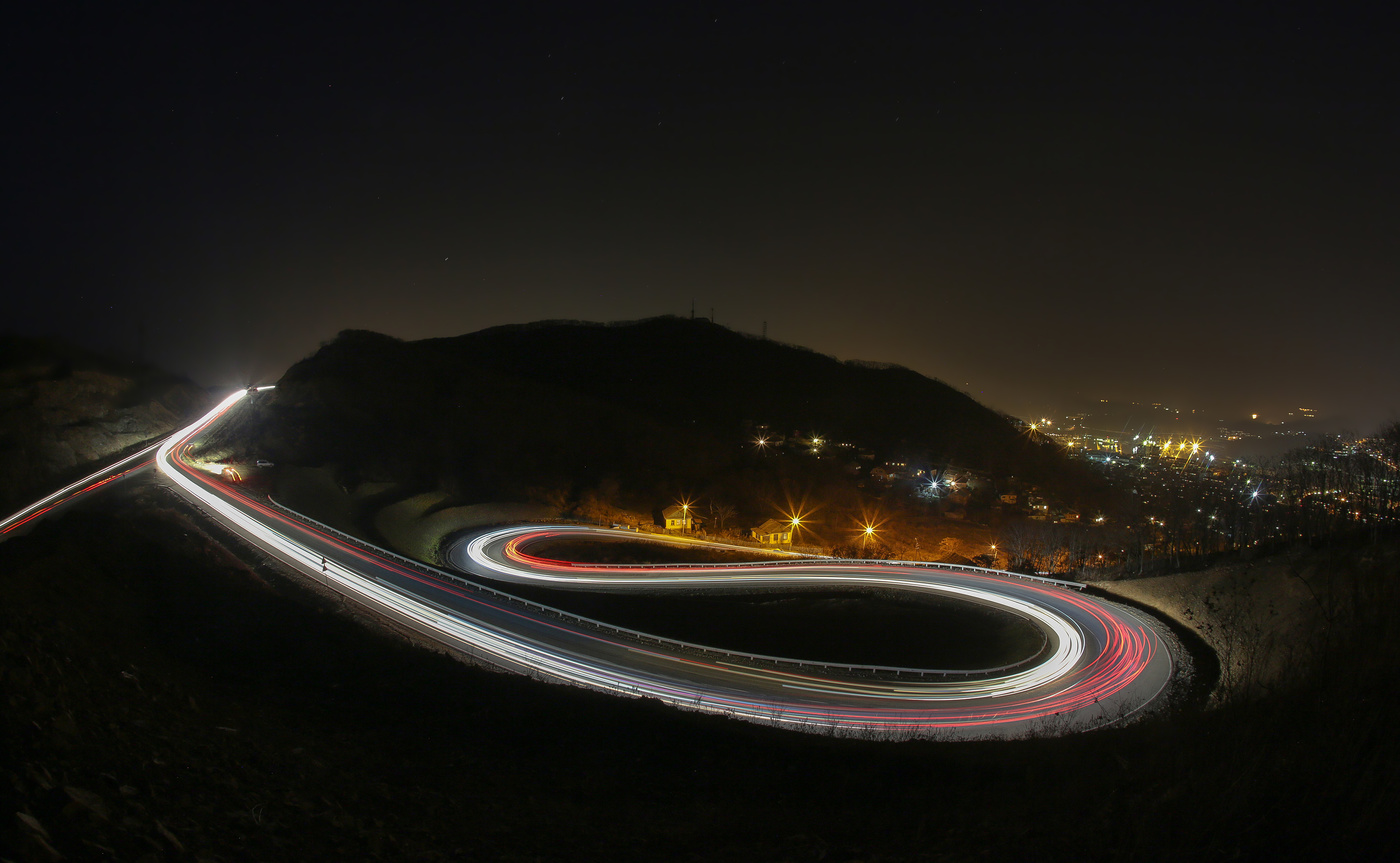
(685, 513)
(867, 533)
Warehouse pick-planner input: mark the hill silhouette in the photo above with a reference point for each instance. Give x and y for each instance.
(693, 371)
(658, 406)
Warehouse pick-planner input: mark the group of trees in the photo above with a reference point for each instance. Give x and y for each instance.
(1039, 546)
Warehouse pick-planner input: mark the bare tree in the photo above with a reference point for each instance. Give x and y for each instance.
(721, 513)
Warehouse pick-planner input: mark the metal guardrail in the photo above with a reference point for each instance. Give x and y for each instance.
(976, 570)
(702, 649)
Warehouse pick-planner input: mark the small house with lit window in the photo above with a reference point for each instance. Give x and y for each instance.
(678, 517)
(774, 532)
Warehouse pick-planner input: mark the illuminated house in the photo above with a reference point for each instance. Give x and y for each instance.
(678, 517)
(773, 532)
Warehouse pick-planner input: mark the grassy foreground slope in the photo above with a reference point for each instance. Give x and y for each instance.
(166, 699)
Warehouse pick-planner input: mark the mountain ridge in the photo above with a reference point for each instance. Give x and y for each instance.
(661, 406)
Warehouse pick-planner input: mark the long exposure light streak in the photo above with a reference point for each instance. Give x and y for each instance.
(89, 483)
(1068, 640)
(1101, 664)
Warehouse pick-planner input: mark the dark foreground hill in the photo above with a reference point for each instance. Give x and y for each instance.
(167, 700)
(661, 407)
(62, 408)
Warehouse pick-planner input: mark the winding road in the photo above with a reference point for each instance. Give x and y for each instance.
(1101, 663)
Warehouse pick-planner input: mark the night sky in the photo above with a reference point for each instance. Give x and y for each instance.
(1037, 202)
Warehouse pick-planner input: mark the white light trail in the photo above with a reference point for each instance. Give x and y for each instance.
(58, 496)
(1072, 676)
(1065, 634)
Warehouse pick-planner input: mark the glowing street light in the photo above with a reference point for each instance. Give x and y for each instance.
(685, 513)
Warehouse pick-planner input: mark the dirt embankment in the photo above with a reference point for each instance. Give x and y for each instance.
(417, 526)
(413, 524)
(1267, 620)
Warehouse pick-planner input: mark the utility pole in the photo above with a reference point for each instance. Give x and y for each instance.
(692, 309)
(765, 331)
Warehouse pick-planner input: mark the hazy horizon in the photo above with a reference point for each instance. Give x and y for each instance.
(1032, 204)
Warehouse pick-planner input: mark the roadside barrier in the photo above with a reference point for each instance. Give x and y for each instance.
(779, 662)
(954, 567)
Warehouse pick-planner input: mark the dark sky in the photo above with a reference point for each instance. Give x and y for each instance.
(1034, 201)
